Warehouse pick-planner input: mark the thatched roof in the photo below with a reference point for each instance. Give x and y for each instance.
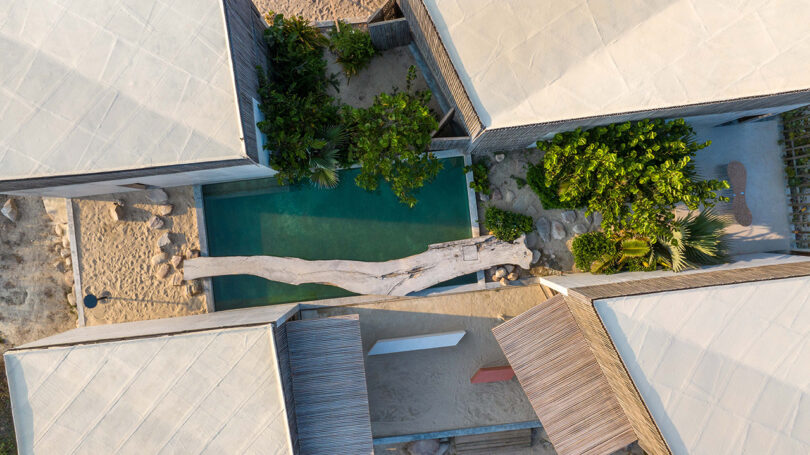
(564, 383)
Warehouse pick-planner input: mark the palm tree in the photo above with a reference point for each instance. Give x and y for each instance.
(323, 157)
(628, 249)
(697, 239)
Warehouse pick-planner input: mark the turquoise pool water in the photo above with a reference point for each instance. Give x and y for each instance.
(259, 217)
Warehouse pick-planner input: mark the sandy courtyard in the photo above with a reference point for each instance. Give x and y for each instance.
(115, 256)
(430, 390)
(321, 10)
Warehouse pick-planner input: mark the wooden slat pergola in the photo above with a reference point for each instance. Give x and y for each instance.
(329, 386)
(563, 381)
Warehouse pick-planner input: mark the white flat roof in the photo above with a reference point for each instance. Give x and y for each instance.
(216, 391)
(93, 86)
(724, 369)
(526, 62)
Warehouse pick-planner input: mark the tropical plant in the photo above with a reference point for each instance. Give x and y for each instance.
(323, 157)
(352, 47)
(697, 239)
(590, 247)
(548, 193)
(390, 139)
(293, 95)
(632, 173)
(480, 172)
(506, 225)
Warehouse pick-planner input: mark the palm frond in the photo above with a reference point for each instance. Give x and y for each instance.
(323, 177)
(697, 239)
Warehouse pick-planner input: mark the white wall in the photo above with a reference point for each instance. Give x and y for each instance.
(224, 174)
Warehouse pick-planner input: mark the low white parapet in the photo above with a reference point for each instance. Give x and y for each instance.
(417, 343)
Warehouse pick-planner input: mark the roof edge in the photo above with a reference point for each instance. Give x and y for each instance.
(691, 281)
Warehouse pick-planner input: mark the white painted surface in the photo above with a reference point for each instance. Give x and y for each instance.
(416, 343)
(156, 327)
(207, 392)
(208, 176)
(528, 62)
(563, 283)
(723, 370)
(93, 86)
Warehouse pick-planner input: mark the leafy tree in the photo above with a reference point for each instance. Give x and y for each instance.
(352, 47)
(390, 139)
(506, 225)
(633, 173)
(294, 99)
(549, 197)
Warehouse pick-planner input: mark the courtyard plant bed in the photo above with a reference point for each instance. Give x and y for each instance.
(634, 174)
(388, 139)
(624, 180)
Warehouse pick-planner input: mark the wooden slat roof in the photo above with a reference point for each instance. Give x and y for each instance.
(329, 386)
(563, 381)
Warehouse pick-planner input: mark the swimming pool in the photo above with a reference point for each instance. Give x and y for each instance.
(260, 217)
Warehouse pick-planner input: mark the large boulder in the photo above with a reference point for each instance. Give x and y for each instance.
(56, 208)
(558, 231)
(569, 216)
(579, 228)
(155, 222)
(9, 210)
(157, 195)
(543, 226)
(117, 212)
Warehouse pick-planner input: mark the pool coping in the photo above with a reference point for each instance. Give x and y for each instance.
(475, 231)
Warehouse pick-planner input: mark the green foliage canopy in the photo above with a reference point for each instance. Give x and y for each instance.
(352, 47)
(506, 225)
(632, 173)
(390, 139)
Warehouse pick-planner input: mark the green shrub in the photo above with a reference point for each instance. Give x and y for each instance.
(536, 178)
(590, 247)
(506, 225)
(352, 47)
(480, 171)
(390, 139)
(293, 95)
(633, 174)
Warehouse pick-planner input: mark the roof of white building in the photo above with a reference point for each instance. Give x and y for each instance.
(216, 391)
(95, 86)
(722, 369)
(525, 62)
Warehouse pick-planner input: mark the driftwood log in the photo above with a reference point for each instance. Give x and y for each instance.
(441, 262)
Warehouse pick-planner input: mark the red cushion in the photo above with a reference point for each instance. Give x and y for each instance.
(494, 374)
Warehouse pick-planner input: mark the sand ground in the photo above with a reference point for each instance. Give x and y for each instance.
(33, 295)
(430, 390)
(321, 10)
(114, 256)
(387, 71)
